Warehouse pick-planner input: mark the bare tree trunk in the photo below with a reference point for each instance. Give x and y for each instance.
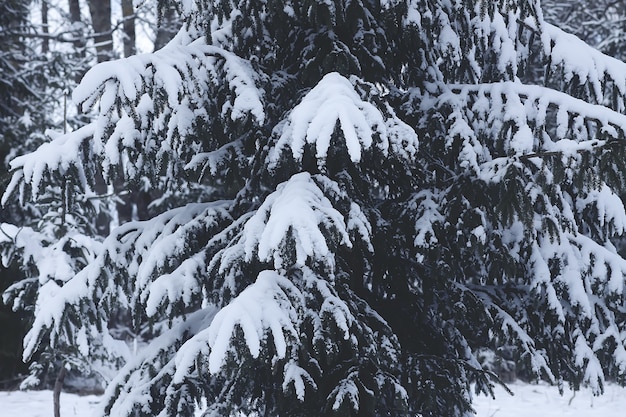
(56, 395)
(168, 25)
(74, 6)
(100, 11)
(45, 44)
(78, 30)
(128, 13)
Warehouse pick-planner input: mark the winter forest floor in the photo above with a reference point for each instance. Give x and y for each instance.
(529, 400)
(544, 401)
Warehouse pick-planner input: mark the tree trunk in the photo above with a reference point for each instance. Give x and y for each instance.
(100, 11)
(128, 14)
(168, 25)
(56, 395)
(78, 32)
(45, 44)
(74, 6)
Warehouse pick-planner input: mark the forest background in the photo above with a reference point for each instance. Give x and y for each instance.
(46, 46)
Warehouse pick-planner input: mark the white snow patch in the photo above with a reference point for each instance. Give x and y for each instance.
(297, 209)
(264, 305)
(334, 101)
(529, 400)
(545, 401)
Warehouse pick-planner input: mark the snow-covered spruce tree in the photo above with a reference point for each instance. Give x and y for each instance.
(355, 197)
(31, 92)
(54, 240)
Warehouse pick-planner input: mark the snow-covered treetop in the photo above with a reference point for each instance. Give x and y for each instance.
(126, 136)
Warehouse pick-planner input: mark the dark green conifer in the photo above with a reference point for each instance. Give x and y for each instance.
(352, 199)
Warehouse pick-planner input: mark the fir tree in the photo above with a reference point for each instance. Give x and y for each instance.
(352, 198)
(30, 92)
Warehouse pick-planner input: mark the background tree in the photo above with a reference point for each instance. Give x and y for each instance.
(40, 61)
(128, 14)
(601, 24)
(168, 24)
(25, 107)
(351, 199)
(100, 11)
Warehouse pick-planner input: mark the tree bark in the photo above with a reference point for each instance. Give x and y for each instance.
(78, 32)
(167, 27)
(100, 11)
(74, 10)
(128, 13)
(56, 395)
(45, 44)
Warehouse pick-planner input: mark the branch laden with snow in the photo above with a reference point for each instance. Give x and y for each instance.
(346, 202)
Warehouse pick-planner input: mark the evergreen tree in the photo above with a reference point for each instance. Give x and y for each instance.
(26, 103)
(37, 70)
(352, 199)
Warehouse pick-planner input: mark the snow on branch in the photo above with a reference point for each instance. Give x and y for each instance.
(52, 303)
(54, 263)
(297, 212)
(583, 262)
(542, 282)
(521, 122)
(521, 103)
(511, 328)
(588, 290)
(159, 255)
(298, 377)
(295, 225)
(267, 317)
(332, 309)
(347, 391)
(61, 155)
(585, 358)
(587, 64)
(138, 262)
(154, 365)
(600, 261)
(147, 103)
(267, 305)
(424, 203)
(611, 212)
(175, 69)
(215, 160)
(334, 102)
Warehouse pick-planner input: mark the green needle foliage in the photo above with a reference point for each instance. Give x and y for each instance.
(351, 200)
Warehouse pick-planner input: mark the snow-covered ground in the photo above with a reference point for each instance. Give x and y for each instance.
(544, 401)
(39, 404)
(529, 400)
